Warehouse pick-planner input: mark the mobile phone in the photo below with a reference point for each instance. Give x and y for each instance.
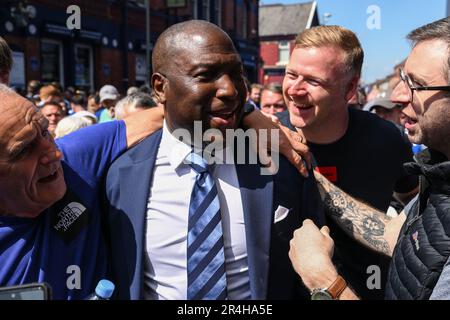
(32, 291)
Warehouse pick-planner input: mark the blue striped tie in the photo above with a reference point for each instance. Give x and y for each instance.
(205, 249)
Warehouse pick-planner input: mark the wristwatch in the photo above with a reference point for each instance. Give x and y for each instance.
(332, 292)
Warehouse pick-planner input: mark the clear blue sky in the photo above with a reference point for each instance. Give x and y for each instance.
(387, 46)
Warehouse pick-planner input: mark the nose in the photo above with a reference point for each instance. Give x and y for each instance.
(401, 94)
(297, 88)
(227, 88)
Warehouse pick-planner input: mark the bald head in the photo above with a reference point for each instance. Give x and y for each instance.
(183, 36)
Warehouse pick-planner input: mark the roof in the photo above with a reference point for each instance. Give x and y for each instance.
(278, 19)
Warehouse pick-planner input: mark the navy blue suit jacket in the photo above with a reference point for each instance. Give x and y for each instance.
(271, 274)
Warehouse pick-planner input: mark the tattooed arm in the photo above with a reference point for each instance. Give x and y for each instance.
(367, 225)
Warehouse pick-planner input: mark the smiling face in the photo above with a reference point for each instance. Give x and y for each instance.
(316, 88)
(30, 169)
(428, 114)
(203, 83)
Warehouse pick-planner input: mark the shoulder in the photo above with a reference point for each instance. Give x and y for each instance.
(370, 125)
(142, 151)
(373, 121)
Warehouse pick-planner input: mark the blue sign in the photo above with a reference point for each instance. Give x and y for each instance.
(106, 70)
(34, 63)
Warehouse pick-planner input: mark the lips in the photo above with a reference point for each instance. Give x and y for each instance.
(410, 123)
(224, 112)
(51, 177)
(303, 106)
(224, 117)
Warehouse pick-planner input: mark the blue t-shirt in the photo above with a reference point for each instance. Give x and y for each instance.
(65, 245)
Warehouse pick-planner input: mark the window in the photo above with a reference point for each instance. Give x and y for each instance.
(84, 72)
(283, 52)
(52, 61)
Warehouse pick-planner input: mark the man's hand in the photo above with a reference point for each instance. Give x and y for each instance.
(310, 254)
(291, 144)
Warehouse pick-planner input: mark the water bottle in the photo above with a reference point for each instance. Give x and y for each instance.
(103, 291)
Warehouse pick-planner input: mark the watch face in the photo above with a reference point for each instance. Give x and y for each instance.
(321, 295)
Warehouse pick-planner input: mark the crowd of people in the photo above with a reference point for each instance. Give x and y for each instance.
(99, 181)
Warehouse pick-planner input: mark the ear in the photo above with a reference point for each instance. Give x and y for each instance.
(351, 88)
(159, 83)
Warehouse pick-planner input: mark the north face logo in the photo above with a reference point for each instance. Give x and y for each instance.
(68, 215)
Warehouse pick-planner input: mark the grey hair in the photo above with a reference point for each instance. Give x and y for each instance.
(68, 125)
(135, 100)
(437, 30)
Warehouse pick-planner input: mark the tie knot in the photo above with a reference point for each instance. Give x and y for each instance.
(197, 163)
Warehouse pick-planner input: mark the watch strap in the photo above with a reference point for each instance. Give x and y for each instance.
(337, 287)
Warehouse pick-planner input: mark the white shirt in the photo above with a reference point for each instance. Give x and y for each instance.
(165, 268)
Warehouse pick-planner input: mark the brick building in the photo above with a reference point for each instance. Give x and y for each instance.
(278, 27)
(110, 46)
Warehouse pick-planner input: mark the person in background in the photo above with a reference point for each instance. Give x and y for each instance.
(54, 113)
(93, 103)
(133, 103)
(358, 100)
(33, 89)
(108, 99)
(146, 89)
(386, 110)
(272, 101)
(255, 94)
(87, 116)
(69, 125)
(78, 103)
(132, 90)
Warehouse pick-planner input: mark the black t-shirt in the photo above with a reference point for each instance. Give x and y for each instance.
(367, 163)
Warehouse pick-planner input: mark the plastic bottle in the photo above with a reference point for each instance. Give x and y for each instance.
(103, 291)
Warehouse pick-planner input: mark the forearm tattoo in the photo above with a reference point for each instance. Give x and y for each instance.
(360, 221)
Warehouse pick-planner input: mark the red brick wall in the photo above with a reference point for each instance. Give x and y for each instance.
(112, 57)
(269, 79)
(228, 15)
(269, 53)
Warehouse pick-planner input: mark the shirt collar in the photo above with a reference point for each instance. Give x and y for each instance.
(175, 150)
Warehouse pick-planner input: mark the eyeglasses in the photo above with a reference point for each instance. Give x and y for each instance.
(406, 79)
